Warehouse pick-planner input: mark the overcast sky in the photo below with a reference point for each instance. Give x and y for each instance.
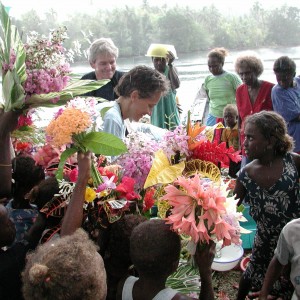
(65, 7)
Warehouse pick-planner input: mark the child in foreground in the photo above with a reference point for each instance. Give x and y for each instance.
(270, 184)
(155, 252)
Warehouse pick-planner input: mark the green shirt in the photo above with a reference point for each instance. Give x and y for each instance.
(221, 91)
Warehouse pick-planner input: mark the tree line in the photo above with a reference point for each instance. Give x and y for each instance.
(133, 29)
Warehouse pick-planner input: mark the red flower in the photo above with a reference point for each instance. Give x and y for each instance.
(24, 120)
(73, 175)
(215, 153)
(149, 199)
(22, 146)
(105, 172)
(126, 189)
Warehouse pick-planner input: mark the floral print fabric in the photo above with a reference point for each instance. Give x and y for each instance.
(272, 209)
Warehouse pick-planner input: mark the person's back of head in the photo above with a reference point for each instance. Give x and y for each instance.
(118, 248)
(69, 268)
(25, 174)
(102, 46)
(154, 248)
(44, 192)
(117, 251)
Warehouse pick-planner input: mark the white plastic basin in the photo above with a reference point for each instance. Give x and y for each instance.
(230, 257)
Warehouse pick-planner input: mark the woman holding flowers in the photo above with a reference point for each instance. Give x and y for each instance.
(270, 184)
(139, 91)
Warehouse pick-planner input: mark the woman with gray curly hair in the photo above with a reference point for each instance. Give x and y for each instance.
(102, 55)
(254, 95)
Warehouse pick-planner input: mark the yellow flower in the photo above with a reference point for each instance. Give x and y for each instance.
(90, 194)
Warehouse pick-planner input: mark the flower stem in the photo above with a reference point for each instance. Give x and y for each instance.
(97, 179)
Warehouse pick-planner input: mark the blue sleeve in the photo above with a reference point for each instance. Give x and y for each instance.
(286, 102)
(111, 126)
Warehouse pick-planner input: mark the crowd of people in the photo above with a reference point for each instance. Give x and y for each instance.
(260, 119)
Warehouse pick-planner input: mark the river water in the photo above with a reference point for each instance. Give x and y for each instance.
(192, 69)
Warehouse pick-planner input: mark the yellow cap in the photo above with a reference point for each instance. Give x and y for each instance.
(160, 50)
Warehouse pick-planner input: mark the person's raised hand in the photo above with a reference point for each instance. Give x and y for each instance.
(84, 164)
(9, 121)
(170, 57)
(204, 257)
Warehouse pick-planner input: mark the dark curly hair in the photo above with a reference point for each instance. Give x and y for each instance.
(68, 268)
(26, 174)
(271, 124)
(44, 192)
(254, 63)
(117, 252)
(284, 64)
(154, 248)
(143, 79)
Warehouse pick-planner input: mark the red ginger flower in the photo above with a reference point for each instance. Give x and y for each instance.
(215, 153)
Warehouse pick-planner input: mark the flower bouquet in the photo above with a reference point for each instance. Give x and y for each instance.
(193, 198)
(37, 73)
(74, 127)
(201, 209)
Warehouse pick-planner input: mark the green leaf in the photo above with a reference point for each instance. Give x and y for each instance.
(104, 143)
(240, 208)
(64, 156)
(69, 92)
(6, 28)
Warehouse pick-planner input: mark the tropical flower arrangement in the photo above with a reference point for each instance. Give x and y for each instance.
(191, 195)
(73, 127)
(36, 73)
(200, 209)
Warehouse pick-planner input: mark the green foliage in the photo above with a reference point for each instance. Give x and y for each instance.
(185, 279)
(133, 29)
(103, 143)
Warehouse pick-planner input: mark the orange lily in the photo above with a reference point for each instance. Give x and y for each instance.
(193, 131)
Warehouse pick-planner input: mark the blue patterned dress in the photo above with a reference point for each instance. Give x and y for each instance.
(271, 209)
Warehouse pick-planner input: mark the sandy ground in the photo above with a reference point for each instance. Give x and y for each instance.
(226, 284)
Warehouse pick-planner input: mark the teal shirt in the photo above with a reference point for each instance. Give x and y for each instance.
(221, 91)
(165, 113)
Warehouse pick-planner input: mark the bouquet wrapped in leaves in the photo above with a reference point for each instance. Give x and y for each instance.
(36, 73)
